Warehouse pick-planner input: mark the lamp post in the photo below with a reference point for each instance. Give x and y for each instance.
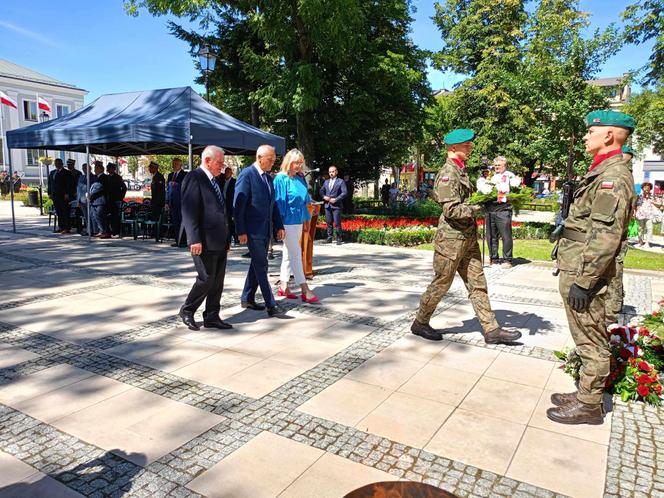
(207, 60)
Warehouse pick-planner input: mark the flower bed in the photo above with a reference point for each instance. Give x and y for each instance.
(405, 231)
(637, 359)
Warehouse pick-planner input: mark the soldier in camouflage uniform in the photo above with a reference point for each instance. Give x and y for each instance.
(594, 231)
(615, 293)
(456, 247)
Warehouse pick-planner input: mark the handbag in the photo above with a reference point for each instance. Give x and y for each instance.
(633, 229)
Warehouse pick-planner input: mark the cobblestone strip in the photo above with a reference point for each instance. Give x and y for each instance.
(81, 466)
(8, 374)
(181, 389)
(636, 452)
(400, 460)
(638, 296)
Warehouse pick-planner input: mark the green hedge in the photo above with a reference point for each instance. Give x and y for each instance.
(422, 209)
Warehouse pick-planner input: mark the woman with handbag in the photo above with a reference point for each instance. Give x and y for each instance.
(647, 209)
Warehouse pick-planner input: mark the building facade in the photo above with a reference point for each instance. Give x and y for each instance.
(24, 86)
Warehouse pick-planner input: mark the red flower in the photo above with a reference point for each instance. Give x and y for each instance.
(643, 391)
(655, 313)
(657, 388)
(645, 379)
(644, 332)
(624, 353)
(643, 365)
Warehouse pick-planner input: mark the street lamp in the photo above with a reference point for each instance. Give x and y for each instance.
(207, 59)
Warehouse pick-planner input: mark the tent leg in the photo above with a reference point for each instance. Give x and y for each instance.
(87, 159)
(11, 189)
(191, 157)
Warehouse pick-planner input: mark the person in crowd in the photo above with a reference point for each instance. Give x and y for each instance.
(394, 195)
(116, 190)
(228, 187)
(256, 215)
(647, 210)
(157, 191)
(456, 246)
(16, 182)
(5, 183)
(82, 198)
(595, 228)
(385, 193)
(292, 197)
(59, 189)
(499, 223)
(204, 221)
(348, 200)
(174, 200)
(333, 193)
(411, 199)
(99, 201)
(75, 174)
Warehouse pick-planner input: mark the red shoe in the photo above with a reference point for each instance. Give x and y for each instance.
(283, 293)
(310, 300)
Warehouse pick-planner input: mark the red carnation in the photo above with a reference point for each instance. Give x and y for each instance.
(658, 388)
(644, 332)
(645, 379)
(642, 390)
(643, 365)
(655, 313)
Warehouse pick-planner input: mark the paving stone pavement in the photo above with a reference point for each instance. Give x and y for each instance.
(284, 410)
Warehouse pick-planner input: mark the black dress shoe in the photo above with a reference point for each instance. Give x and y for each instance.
(277, 312)
(217, 324)
(188, 320)
(252, 305)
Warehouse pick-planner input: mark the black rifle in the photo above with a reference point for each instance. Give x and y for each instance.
(568, 198)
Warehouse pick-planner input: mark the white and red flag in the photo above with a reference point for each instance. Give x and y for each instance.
(4, 99)
(43, 105)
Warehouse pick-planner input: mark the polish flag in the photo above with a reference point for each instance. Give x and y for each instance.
(4, 99)
(43, 105)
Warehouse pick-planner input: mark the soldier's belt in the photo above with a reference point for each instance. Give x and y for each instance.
(575, 235)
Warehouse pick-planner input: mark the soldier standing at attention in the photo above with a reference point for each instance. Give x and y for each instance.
(456, 246)
(615, 293)
(595, 228)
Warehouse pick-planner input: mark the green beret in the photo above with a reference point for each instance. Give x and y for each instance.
(626, 149)
(459, 136)
(610, 118)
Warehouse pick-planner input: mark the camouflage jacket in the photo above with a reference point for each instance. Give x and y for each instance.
(451, 189)
(598, 220)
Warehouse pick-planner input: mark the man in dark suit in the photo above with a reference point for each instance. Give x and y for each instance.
(204, 221)
(116, 189)
(333, 193)
(157, 191)
(75, 174)
(228, 187)
(256, 214)
(174, 200)
(99, 201)
(60, 186)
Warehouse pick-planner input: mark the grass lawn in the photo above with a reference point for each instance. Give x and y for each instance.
(541, 250)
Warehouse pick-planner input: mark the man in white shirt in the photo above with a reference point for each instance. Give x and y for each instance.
(499, 213)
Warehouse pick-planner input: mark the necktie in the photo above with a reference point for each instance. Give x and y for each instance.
(331, 183)
(267, 184)
(217, 191)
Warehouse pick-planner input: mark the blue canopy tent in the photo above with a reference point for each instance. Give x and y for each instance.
(167, 121)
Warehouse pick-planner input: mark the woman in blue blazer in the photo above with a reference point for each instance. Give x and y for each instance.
(292, 196)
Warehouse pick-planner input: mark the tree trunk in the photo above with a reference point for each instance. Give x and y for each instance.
(305, 138)
(255, 115)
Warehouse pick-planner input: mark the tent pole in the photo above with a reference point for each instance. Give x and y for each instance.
(11, 187)
(87, 152)
(191, 157)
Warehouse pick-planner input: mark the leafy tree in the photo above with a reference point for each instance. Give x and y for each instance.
(648, 108)
(133, 165)
(645, 21)
(341, 80)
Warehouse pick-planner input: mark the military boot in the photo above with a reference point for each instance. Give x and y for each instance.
(560, 399)
(576, 412)
(501, 336)
(425, 330)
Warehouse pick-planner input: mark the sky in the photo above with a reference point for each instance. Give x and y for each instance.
(98, 47)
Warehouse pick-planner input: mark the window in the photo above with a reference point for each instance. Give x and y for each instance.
(33, 156)
(61, 110)
(30, 110)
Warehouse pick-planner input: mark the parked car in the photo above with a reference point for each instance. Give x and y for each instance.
(133, 184)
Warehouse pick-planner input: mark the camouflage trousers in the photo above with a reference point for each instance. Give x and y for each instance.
(462, 256)
(590, 337)
(615, 292)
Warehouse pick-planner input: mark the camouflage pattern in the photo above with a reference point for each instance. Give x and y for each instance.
(456, 248)
(600, 214)
(615, 293)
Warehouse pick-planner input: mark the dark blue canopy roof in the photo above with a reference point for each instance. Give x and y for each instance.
(149, 122)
